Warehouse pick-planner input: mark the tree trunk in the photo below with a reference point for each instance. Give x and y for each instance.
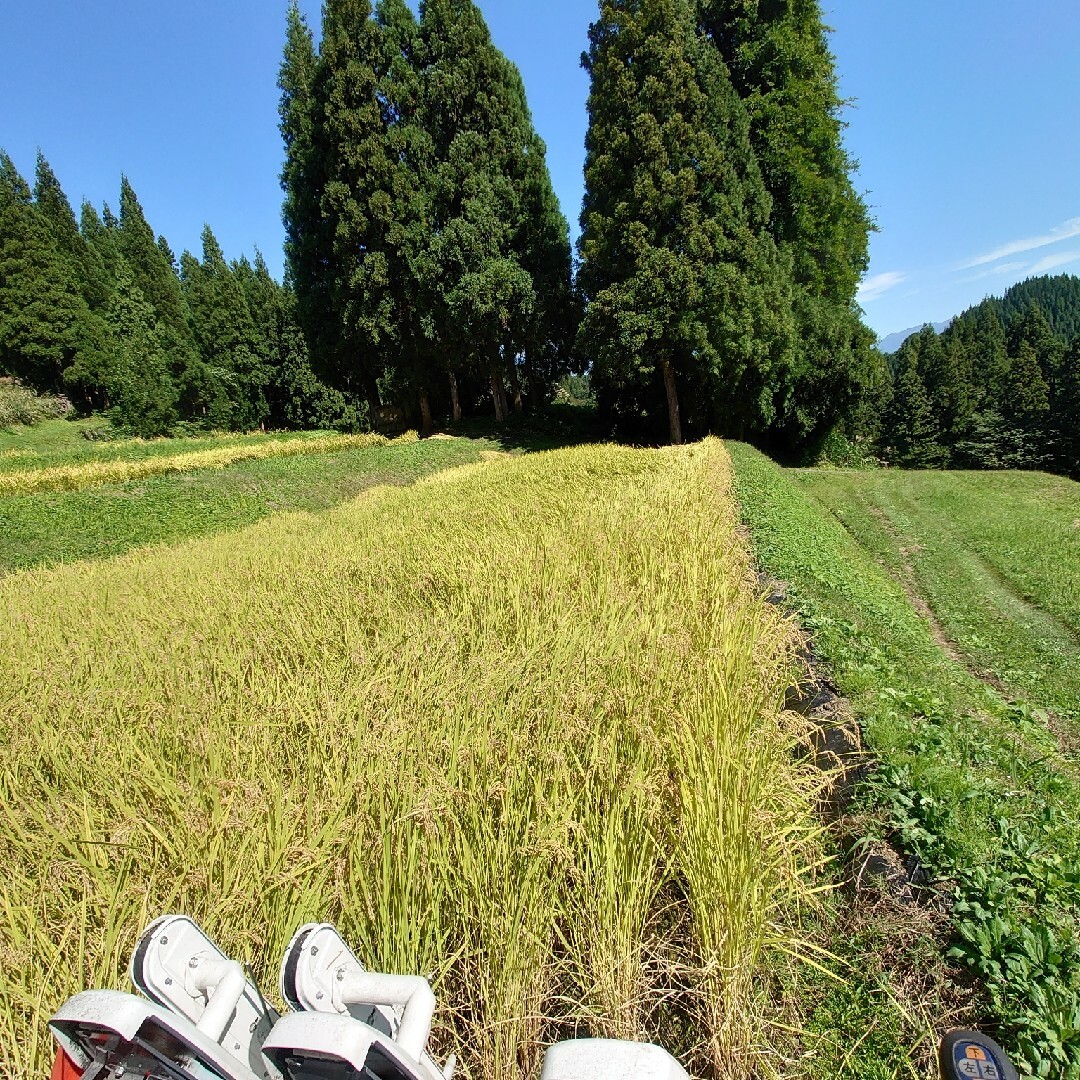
(503, 398)
(371, 390)
(672, 403)
(425, 413)
(499, 396)
(531, 391)
(515, 386)
(455, 400)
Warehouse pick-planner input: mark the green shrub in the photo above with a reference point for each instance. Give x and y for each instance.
(20, 405)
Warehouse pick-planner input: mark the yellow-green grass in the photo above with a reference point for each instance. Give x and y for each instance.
(517, 727)
(99, 522)
(72, 442)
(995, 555)
(92, 473)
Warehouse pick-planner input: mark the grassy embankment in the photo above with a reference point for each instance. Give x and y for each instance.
(136, 460)
(972, 781)
(995, 557)
(516, 726)
(110, 518)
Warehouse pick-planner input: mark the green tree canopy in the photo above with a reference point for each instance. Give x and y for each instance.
(46, 325)
(225, 333)
(688, 302)
(778, 57)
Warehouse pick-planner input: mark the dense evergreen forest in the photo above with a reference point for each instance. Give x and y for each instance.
(100, 310)
(999, 389)
(424, 241)
(722, 239)
(429, 270)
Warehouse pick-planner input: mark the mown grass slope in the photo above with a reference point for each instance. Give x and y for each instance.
(972, 783)
(996, 556)
(517, 726)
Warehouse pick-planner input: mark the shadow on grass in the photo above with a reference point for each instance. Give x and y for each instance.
(525, 433)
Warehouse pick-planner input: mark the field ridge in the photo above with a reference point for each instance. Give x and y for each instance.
(94, 473)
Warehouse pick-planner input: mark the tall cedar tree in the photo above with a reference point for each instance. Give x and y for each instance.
(350, 141)
(687, 298)
(88, 268)
(303, 179)
(542, 243)
(1030, 326)
(418, 205)
(400, 208)
(46, 326)
(946, 378)
(157, 281)
(102, 240)
(1025, 406)
(1066, 423)
(226, 337)
(778, 56)
(478, 295)
(912, 433)
(142, 394)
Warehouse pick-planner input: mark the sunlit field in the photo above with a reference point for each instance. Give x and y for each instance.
(517, 727)
(136, 458)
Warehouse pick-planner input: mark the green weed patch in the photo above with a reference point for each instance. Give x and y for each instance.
(970, 783)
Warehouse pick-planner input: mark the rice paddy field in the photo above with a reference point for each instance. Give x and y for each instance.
(135, 459)
(518, 726)
(107, 519)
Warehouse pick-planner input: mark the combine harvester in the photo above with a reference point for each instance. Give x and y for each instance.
(201, 1018)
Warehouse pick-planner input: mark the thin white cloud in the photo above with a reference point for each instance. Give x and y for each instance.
(1065, 231)
(879, 284)
(994, 271)
(1052, 262)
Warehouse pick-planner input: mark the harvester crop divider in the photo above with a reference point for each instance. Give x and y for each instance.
(201, 1018)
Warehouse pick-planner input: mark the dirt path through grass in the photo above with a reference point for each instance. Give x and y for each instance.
(908, 580)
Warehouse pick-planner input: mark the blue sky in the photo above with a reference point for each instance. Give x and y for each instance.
(965, 124)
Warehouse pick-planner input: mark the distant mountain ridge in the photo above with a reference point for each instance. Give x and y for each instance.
(893, 342)
(1058, 296)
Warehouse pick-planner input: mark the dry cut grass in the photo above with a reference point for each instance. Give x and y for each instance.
(121, 470)
(517, 728)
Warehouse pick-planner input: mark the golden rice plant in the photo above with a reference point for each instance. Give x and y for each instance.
(610, 905)
(119, 471)
(493, 725)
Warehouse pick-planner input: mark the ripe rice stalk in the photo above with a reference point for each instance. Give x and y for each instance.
(505, 916)
(486, 724)
(611, 900)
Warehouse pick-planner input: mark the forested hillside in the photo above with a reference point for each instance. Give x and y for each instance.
(1057, 296)
(1000, 388)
